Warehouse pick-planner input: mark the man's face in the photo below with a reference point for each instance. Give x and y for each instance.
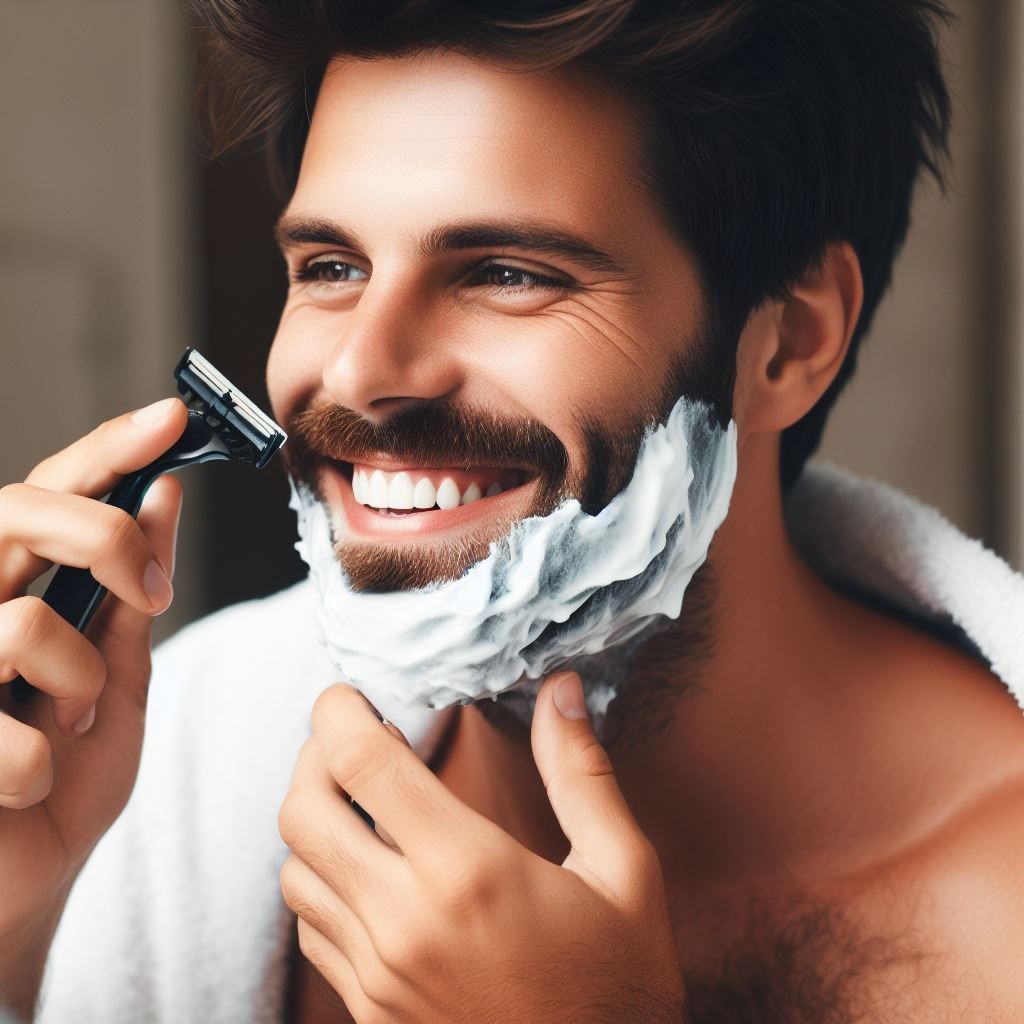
(486, 307)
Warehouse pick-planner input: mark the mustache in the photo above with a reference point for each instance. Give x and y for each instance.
(432, 434)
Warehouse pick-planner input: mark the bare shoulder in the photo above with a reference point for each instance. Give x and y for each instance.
(961, 893)
(950, 887)
(973, 877)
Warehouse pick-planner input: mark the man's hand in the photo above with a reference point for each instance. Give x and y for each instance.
(457, 922)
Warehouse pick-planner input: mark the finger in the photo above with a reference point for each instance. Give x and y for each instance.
(26, 764)
(93, 464)
(122, 633)
(397, 733)
(335, 973)
(390, 782)
(606, 840)
(159, 518)
(71, 530)
(311, 899)
(35, 642)
(317, 823)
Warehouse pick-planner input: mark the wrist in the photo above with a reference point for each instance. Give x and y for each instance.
(24, 947)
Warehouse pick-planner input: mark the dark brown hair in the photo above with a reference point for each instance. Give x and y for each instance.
(775, 126)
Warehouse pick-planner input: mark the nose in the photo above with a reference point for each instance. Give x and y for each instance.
(392, 353)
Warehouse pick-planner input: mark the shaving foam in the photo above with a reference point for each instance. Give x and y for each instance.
(563, 590)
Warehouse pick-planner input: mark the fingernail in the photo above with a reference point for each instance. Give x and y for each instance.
(157, 586)
(85, 722)
(569, 696)
(154, 412)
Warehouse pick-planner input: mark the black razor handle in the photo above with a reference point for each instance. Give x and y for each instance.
(74, 593)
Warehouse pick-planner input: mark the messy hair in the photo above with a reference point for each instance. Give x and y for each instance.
(773, 127)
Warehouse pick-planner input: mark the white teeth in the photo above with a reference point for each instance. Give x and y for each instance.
(400, 495)
(378, 497)
(357, 486)
(448, 494)
(383, 491)
(424, 495)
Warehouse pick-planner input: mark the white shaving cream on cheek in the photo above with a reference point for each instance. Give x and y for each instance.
(558, 588)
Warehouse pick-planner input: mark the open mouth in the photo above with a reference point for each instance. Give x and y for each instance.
(385, 499)
(420, 490)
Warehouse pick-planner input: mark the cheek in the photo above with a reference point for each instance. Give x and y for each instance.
(298, 354)
(562, 368)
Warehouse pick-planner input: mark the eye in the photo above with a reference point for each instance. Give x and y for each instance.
(512, 280)
(330, 269)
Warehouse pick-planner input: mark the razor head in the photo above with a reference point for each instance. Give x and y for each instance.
(249, 433)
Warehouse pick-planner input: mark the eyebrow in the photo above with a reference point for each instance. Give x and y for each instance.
(531, 236)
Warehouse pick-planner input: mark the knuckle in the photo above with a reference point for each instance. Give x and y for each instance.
(311, 947)
(95, 671)
(644, 859)
(467, 887)
(100, 434)
(24, 622)
(331, 705)
(377, 980)
(10, 496)
(641, 874)
(359, 760)
(288, 879)
(592, 760)
(121, 534)
(28, 774)
(293, 821)
(292, 881)
(400, 949)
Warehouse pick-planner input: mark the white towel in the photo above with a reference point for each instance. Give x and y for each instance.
(866, 534)
(177, 916)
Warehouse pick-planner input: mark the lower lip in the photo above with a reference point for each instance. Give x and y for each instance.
(364, 521)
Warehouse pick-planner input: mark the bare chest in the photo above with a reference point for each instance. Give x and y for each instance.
(810, 965)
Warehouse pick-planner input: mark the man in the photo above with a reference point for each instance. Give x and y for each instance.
(517, 242)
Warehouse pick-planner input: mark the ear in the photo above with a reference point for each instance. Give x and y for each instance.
(791, 351)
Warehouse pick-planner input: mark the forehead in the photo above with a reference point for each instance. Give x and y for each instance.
(437, 135)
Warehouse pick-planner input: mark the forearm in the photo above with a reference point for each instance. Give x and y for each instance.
(23, 952)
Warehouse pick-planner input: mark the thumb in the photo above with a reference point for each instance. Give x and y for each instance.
(580, 782)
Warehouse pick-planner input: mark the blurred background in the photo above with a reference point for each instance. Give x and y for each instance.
(119, 247)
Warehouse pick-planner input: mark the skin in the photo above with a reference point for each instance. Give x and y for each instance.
(829, 753)
(397, 148)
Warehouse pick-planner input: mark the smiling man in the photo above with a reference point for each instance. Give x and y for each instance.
(573, 288)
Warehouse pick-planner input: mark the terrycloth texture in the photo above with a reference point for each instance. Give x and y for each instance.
(177, 917)
(868, 535)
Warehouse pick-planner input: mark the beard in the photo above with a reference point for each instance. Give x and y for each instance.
(595, 569)
(446, 434)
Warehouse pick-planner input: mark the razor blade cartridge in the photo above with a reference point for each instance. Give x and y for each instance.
(253, 436)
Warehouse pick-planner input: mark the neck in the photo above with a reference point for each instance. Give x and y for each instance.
(741, 708)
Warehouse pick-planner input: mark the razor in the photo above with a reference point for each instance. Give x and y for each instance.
(223, 424)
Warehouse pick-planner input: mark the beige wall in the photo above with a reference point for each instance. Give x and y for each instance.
(913, 414)
(96, 298)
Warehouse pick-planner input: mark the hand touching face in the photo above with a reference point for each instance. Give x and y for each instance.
(440, 916)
